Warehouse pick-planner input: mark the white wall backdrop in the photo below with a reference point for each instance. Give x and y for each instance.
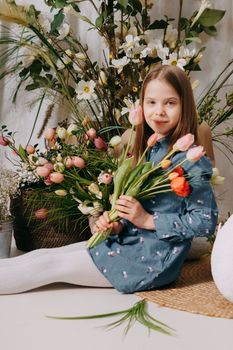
(219, 50)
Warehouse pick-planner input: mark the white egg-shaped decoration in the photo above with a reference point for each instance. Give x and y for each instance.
(222, 260)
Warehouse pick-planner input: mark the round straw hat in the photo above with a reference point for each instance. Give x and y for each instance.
(194, 292)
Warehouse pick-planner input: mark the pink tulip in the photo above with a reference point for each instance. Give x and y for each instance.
(4, 141)
(183, 143)
(100, 143)
(50, 134)
(106, 178)
(42, 171)
(91, 133)
(195, 153)
(49, 166)
(152, 140)
(41, 214)
(48, 181)
(78, 162)
(135, 115)
(56, 177)
(30, 149)
(68, 161)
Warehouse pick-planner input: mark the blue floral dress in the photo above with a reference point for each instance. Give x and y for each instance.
(139, 259)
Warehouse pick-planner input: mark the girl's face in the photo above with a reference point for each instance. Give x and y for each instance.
(161, 106)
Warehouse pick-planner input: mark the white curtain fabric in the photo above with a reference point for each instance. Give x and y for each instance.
(219, 50)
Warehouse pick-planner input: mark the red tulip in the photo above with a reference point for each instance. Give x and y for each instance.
(180, 186)
(179, 170)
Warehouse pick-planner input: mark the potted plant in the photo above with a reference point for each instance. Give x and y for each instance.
(51, 207)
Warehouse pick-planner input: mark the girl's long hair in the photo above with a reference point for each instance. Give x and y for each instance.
(188, 122)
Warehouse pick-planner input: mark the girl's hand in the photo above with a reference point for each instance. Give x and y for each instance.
(131, 209)
(103, 224)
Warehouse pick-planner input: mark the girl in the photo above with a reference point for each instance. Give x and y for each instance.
(149, 245)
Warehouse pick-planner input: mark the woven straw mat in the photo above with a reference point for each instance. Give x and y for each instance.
(194, 292)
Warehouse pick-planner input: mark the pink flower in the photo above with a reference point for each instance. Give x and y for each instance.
(68, 162)
(78, 162)
(50, 134)
(48, 181)
(135, 115)
(152, 140)
(42, 171)
(91, 133)
(49, 166)
(4, 141)
(30, 149)
(100, 143)
(195, 153)
(41, 214)
(183, 143)
(106, 178)
(56, 177)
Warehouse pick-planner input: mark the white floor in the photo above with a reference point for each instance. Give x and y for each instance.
(24, 326)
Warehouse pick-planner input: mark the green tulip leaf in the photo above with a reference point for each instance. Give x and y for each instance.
(210, 17)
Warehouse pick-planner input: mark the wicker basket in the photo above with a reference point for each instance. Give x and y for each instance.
(31, 233)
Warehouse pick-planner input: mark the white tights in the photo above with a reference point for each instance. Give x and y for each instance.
(69, 264)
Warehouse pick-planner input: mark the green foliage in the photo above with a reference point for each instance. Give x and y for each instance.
(135, 42)
(137, 313)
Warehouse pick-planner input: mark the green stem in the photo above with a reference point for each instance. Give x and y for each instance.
(37, 115)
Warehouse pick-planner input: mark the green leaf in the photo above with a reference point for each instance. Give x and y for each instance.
(123, 3)
(100, 20)
(22, 153)
(161, 24)
(212, 31)
(75, 7)
(136, 4)
(33, 86)
(194, 39)
(85, 19)
(210, 17)
(57, 21)
(120, 176)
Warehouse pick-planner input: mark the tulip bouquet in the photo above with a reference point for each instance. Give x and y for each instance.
(145, 180)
